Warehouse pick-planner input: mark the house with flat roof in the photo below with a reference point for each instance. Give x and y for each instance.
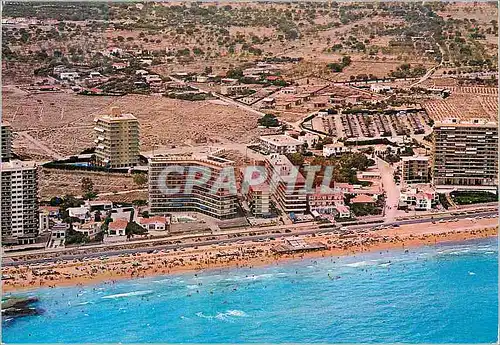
(334, 149)
(58, 234)
(89, 229)
(280, 143)
(81, 213)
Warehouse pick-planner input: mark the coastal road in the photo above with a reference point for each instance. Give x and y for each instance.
(247, 238)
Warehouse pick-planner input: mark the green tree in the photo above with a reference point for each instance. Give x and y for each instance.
(134, 229)
(296, 158)
(268, 120)
(88, 188)
(140, 179)
(139, 202)
(235, 73)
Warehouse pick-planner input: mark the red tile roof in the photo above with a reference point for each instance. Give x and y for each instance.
(155, 219)
(118, 224)
(362, 199)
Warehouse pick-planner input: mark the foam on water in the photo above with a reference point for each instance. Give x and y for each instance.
(129, 294)
(359, 264)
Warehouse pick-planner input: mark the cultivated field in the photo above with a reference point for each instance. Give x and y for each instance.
(465, 103)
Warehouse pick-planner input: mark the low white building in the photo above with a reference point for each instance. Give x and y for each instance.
(58, 234)
(343, 211)
(280, 143)
(334, 149)
(422, 198)
(325, 200)
(95, 75)
(146, 62)
(201, 79)
(102, 205)
(69, 75)
(117, 227)
(380, 88)
(90, 229)
(157, 223)
(153, 79)
(81, 213)
(310, 139)
(227, 90)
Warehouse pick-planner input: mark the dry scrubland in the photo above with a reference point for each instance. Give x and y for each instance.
(378, 37)
(64, 122)
(55, 182)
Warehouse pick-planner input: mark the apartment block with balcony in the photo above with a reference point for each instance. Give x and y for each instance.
(19, 202)
(189, 192)
(6, 145)
(325, 200)
(415, 170)
(259, 200)
(465, 155)
(117, 142)
(287, 184)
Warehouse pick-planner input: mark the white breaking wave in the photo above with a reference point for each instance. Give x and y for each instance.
(459, 252)
(200, 314)
(358, 264)
(259, 276)
(129, 294)
(239, 313)
(224, 316)
(83, 303)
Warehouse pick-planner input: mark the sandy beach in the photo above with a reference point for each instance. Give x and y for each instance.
(244, 254)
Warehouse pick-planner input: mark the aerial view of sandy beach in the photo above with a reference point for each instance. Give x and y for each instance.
(249, 172)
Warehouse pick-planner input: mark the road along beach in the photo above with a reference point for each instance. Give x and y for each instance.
(239, 254)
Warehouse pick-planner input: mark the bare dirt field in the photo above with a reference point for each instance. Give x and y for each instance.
(64, 122)
(483, 13)
(125, 197)
(55, 182)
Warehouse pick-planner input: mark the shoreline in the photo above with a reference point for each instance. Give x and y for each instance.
(246, 255)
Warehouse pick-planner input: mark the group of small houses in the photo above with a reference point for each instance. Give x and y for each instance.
(415, 192)
(90, 218)
(292, 142)
(81, 77)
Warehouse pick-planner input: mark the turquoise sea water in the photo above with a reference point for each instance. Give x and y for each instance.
(441, 294)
